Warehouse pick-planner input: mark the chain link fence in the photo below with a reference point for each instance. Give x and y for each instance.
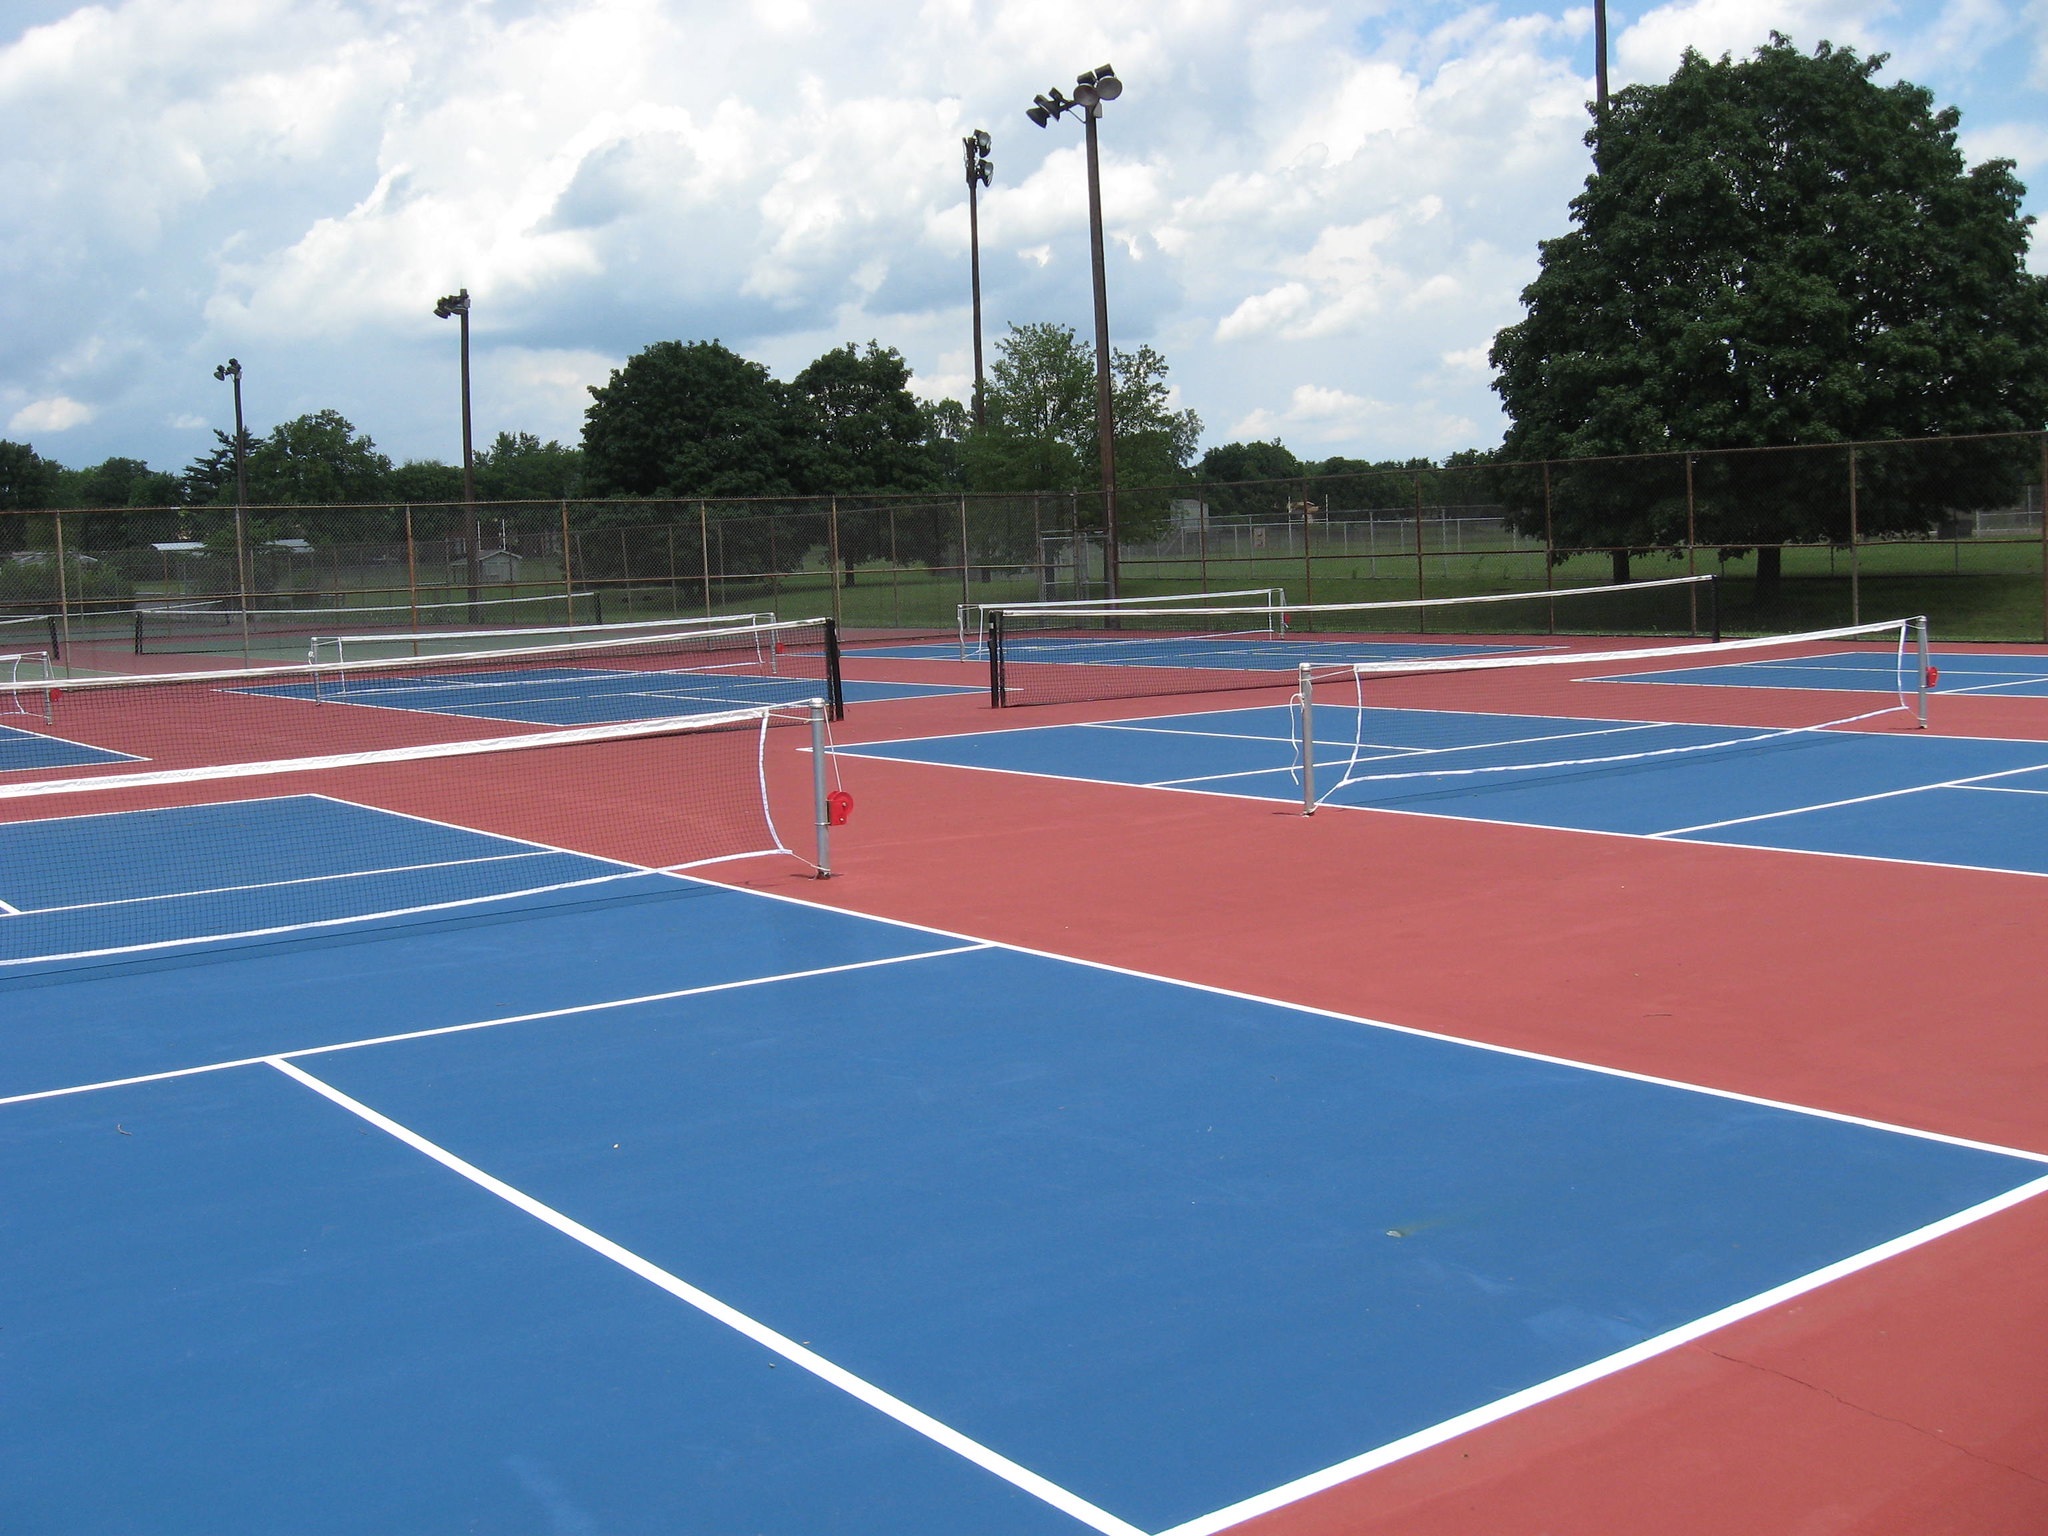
(1949, 527)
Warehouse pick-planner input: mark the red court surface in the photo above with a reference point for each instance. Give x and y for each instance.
(1910, 1397)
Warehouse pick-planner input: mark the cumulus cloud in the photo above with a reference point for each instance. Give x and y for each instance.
(1349, 194)
(60, 413)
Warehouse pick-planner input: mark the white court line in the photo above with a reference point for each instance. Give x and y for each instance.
(567, 1011)
(1343, 1471)
(825, 1370)
(1999, 789)
(1557, 1386)
(268, 885)
(8, 909)
(109, 755)
(1829, 805)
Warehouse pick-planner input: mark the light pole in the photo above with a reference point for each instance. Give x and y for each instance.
(1599, 72)
(458, 304)
(1091, 90)
(976, 145)
(231, 370)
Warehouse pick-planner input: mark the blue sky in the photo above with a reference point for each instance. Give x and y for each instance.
(1319, 214)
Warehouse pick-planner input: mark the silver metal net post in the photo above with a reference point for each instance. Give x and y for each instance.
(820, 806)
(1308, 741)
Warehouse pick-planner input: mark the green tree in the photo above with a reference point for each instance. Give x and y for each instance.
(117, 483)
(28, 481)
(1770, 252)
(313, 460)
(518, 466)
(693, 419)
(1042, 432)
(871, 436)
(425, 481)
(869, 428)
(1248, 461)
(1039, 407)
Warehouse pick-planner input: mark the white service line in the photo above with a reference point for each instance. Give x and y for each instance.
(1464, 1423)
(268, 885)
(825, 1370)
(569, 1011)
(1971, 781)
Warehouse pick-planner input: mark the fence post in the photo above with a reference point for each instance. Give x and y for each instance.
(1692, 594)
(1308, 554)
(64, 583)
(2041, 501)
(966, 592)
(1549, 549)
(832, 554)
(1421, 587)
(704, 549)
(1855, 569)
(412, 573)
(568, 575)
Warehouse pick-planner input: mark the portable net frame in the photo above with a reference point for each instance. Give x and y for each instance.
(972, 619)
(1440, 723)
(341, 650)
(25, 675)
(1075, 654)
(200, 628)
(135, 864)
(182, 719)
(29, 634)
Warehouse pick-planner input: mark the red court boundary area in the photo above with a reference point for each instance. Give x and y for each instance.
(1905, 1400)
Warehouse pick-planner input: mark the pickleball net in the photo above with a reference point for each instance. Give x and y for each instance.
(1071, 655)
(29, 633)
(198, 628)
(341, 649)
(188, 718)
(97, 869)
(972, 619)
(1494, 720)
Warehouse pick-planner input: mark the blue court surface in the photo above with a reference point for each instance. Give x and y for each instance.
(2010, 674)
(20, 749)
(1226, 653)
(585, 695)
(702, 1210)
(1886, 795)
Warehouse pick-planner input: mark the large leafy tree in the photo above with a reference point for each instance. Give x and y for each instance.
(869, 428)
(319, 458)
(518, 466)
(1041, 428)
(693, 419)
(27, 479)
(1776, 251)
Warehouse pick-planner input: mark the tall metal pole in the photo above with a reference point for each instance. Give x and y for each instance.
(1091, 90)
(976, 145)
(1600, 57)
(231, 370)
(1105, 417)
(472, 534)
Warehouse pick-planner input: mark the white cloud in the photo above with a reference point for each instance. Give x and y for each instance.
(1349, 193)
(60, 413)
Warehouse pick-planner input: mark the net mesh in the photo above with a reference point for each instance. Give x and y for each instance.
(342, 649)
(197, 718)
(32, 632)
(199, 628)
(973, 618)
(1376, 726)
(99, 868)
(1070, 655)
